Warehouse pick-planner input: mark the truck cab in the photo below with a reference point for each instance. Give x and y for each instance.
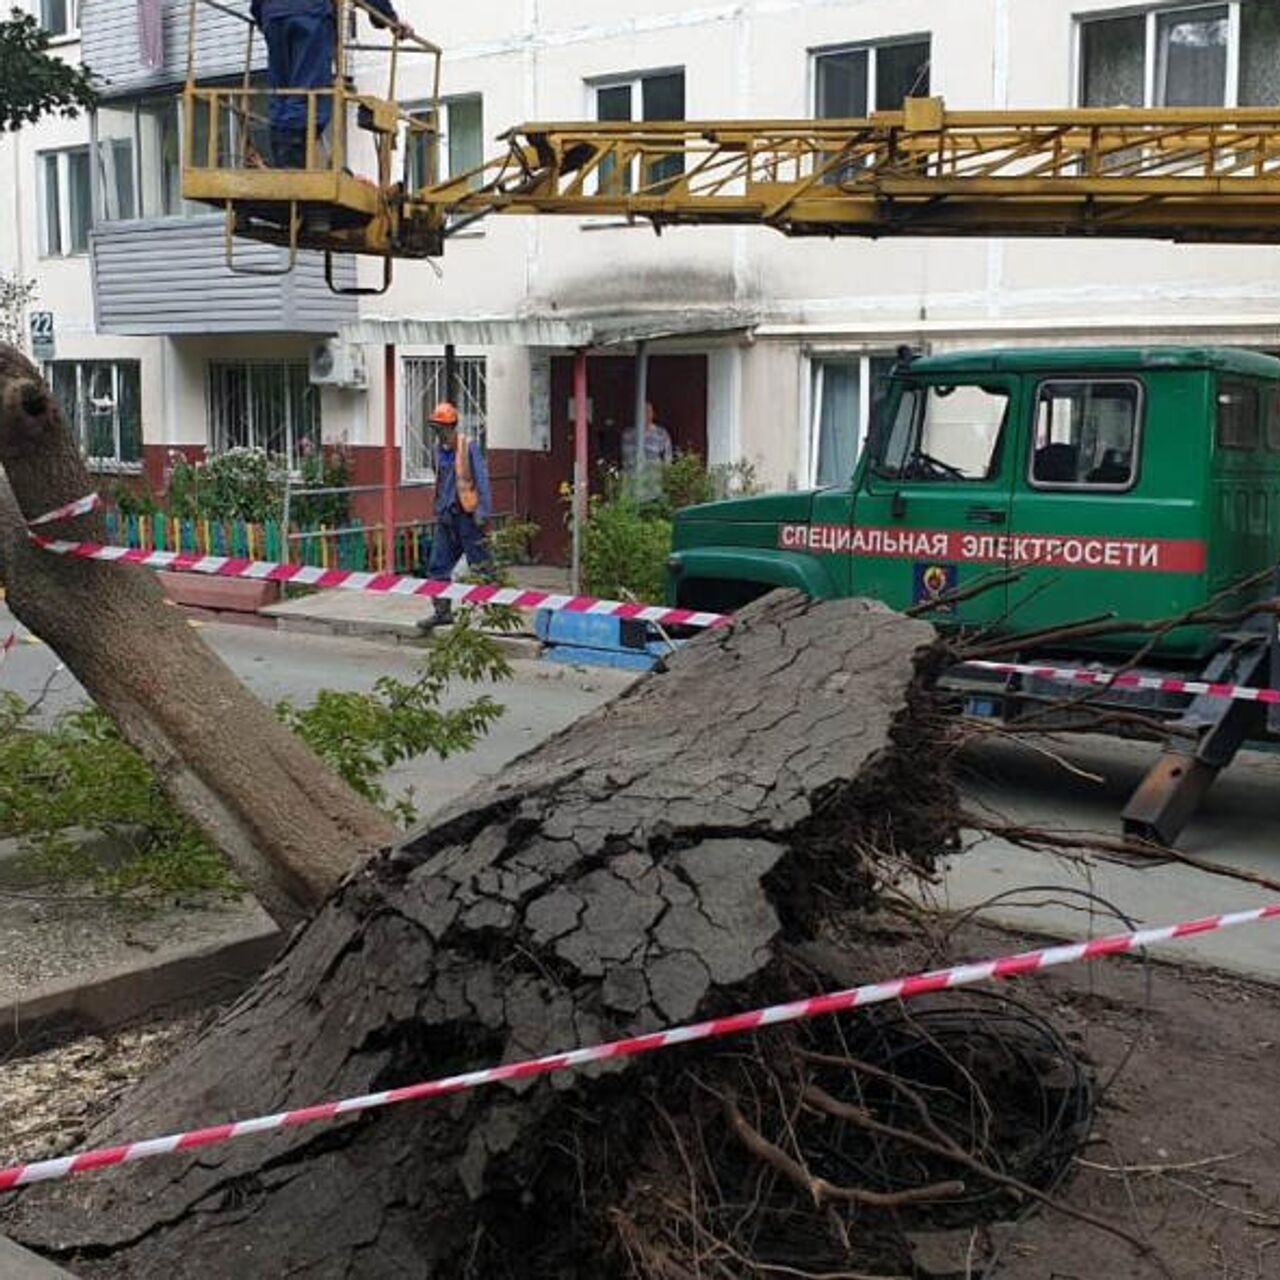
(1023, 490)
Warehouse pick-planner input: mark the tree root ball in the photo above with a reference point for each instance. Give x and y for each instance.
(665, 859)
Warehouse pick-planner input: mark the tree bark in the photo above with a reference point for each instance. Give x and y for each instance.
(664, 859)
(288, 825)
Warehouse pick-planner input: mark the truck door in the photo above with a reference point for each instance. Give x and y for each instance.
(1103, 523)
(931, 512)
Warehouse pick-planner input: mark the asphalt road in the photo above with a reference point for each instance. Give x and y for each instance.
(543, 697)
(1077, 785)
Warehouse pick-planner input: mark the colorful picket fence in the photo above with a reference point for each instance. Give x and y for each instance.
(354, 546)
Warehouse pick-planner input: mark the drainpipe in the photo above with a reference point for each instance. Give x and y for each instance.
(451, 373)
(632, 464)
(579, 461)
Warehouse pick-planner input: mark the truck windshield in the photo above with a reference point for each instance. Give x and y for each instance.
(940, 433)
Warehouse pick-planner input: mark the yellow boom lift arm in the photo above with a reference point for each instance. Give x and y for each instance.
(1192, 174)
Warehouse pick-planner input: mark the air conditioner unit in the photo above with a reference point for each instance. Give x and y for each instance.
(335, 363)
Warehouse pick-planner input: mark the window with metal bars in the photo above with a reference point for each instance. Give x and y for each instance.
(102, 403)
(268, 405)
(424, 387)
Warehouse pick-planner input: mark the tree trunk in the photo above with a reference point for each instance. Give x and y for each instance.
(664, 859)
(290, 827)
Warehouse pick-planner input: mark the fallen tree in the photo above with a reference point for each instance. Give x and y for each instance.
(289, 826)
(672, 856)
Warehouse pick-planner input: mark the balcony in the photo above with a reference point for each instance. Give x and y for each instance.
(168, 276)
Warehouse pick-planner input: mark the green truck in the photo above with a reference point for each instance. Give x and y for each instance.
(1021, 491)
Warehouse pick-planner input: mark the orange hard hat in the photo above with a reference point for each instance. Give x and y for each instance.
(444, 415)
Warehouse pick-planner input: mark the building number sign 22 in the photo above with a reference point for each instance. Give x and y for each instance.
(42, 342)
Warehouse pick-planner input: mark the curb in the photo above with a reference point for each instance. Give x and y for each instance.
(169, 981)
(512, 645)
(17, 1263)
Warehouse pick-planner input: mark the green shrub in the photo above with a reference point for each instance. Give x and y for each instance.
(361, 735)
(329, 467)
(241, 484)
(624, 549)
(81, 773)
(129, 501)
(686, 482)
(627, 537)
(511, 542)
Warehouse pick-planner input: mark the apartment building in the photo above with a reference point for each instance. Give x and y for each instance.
(754, 347)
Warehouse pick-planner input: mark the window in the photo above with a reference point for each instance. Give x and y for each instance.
(657, 95)
(268, 405)
(58, 17)
(851, 82)
(844, 394)
(1086, 434)
(1238, 415)
(1188, 55)
(65, 202)
(158, 128)
(1272, 398)
(139, 151)
(424, 386)
(461, 141)
(944, 433)
(102, 402)
(116, 185)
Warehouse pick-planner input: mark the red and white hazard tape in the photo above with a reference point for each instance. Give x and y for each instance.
(350, 580)
(80, 507)
(463, 593)
(961, 975)
(397, 584)
(1128, 680)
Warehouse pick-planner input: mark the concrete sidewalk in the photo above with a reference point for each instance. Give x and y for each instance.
(383, 616)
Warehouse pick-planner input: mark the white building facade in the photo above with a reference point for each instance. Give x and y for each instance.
(759, 348)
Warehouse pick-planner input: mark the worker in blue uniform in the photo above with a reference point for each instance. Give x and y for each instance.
(463, 505)
(301, 37)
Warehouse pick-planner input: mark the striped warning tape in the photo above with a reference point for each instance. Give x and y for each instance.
(521, 598)
(961, 975)
(398, 584)
(80, 507)
(1128, 680)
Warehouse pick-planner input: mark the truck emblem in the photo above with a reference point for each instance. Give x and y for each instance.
(932, 581)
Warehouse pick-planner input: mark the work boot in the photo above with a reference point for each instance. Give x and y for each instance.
(442, 617)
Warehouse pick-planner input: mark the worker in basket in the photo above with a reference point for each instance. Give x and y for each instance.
(463, 505)
(301, 37)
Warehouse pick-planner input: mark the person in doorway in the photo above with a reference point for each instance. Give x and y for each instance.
(644, 460)
(463, 505)
(301, 36)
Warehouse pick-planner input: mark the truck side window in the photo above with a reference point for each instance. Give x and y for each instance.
(1086, 434)
(944, 433)
(1238, 416)
(1272, 396)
